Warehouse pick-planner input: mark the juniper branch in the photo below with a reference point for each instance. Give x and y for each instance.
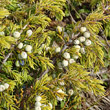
(105, 38)
(9, 54)
(54, 59)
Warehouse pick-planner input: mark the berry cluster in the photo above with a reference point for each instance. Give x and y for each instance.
(38, 104)
(70, 91)
(26, 48)
(83, 39)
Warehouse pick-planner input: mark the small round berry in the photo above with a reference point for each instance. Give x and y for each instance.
(2, 88)
(6, 85)
(50, 105)
(16, 34)
(70, 92)
(83, 50)
(47, 48)
(37, 108)
(71, 61)
(38, 98)
(87, 34)
(43, 46)
(2, 33)
(82, 39)
(22, 62)
(28, 48)
(75, 57)
(59, 99)
(59, 29)
(76, 42)
(24, 55)
(83, 29)
(17, 63)
(77, 48)
(37, 104)
(29, 32)
(88, 42)
(58, 49)
(62, 83)
(20, 45)
(66, 55)
(65, 63)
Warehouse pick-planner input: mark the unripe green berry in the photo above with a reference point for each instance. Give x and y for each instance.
(17, 63)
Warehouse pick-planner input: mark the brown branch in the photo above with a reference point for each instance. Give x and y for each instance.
(6, 58)
(100, 72)
(73, 20)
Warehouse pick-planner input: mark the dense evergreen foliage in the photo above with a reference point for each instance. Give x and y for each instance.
(50, 51)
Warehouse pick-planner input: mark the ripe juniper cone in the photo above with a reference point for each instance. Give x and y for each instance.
(22, 63)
